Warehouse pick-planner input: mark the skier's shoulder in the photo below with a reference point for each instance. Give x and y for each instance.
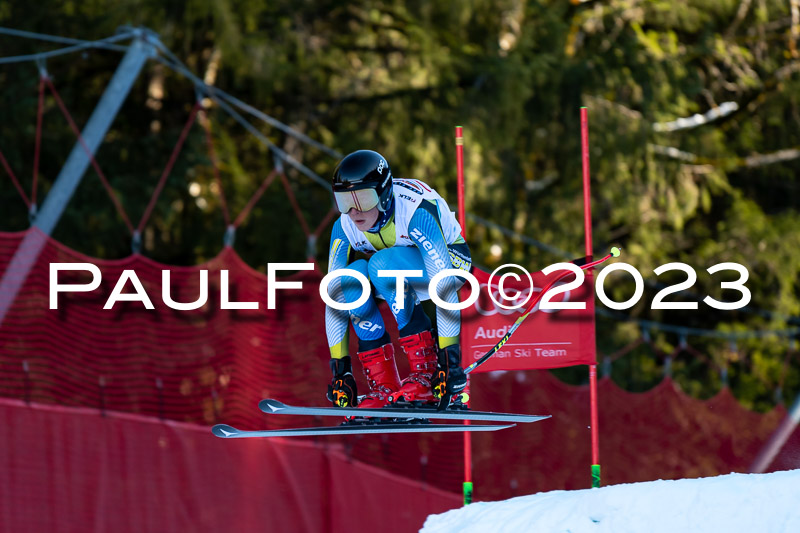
(412, 186)
(415, 196)
(342, 232)
(338, 228)
(412, 193)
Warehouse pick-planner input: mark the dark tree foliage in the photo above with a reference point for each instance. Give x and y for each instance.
(397, 76)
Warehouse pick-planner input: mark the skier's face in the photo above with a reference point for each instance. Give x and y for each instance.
(364, 220)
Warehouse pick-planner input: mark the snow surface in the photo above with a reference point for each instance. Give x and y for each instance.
(751, 503)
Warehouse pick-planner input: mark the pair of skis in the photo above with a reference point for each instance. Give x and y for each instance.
(383, 420)
(401, 419)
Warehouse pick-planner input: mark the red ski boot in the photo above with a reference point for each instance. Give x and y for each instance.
(421, 352)
(382, 376)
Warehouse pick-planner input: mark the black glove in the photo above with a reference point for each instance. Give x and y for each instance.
(342, 390)
(450, 378)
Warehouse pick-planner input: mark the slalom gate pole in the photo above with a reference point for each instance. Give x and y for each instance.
(587, 225)
(462, 219)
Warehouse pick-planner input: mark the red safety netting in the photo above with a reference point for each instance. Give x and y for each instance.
(181, 365)
(213, 365)
(67, 469)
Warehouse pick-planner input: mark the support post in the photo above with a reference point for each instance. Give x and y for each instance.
(74, 168)
(587, 226)
(777, 440)
(462, 219)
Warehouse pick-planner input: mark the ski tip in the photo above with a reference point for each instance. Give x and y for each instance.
(271, 406)
(224, 431)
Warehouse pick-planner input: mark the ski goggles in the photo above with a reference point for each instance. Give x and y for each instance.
(360, 200)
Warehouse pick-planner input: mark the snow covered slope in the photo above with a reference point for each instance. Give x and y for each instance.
(751, 503)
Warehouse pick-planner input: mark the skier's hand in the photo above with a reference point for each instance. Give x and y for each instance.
(448, 381)
(342, 391)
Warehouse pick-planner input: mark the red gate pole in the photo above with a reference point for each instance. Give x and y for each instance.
(462, 219)
(587, 225)
(460, 173)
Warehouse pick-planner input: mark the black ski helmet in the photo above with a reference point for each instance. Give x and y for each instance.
(365, 169)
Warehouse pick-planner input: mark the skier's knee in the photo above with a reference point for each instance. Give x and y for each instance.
(351, 284)
(360, 265)
(380, 261)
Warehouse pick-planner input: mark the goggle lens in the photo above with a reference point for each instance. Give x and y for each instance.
(360, 200)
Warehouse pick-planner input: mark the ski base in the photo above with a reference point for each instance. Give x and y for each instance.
(227, 432)
(275, 407)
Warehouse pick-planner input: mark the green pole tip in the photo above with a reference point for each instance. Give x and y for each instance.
(595, 476)
(615, 251)
(467, 493)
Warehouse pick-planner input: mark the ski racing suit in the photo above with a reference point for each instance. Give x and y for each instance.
(418, 232)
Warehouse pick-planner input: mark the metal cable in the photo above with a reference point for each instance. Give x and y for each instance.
(81, 45)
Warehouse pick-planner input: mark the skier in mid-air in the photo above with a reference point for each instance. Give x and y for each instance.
(399, 224)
